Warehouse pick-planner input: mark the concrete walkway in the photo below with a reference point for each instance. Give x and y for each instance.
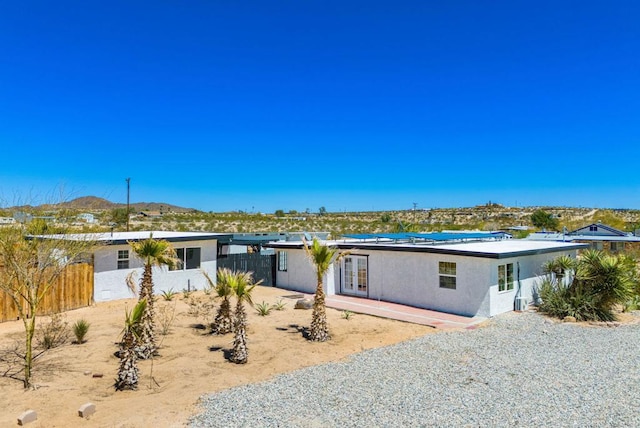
(440, 320)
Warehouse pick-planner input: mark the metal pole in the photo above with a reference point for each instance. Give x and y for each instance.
(128, 180)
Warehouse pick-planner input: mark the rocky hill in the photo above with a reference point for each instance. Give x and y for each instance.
(94, 203)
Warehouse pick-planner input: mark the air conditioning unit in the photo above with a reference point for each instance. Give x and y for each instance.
(521, 303)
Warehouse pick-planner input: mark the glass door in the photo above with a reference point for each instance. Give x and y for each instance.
(355, 277)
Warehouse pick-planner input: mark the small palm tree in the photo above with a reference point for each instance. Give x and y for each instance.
(242, 287)
(128, 370)
(222, 324)
(153, 252)
(322, 257)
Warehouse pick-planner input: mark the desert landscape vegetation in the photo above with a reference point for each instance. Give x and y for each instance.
(148, 359)
(489, 216)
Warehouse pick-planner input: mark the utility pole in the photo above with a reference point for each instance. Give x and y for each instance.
(128, 180)
(415, 204)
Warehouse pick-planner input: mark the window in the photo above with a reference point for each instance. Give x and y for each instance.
(617, 247)
(123, 259)
(189, 258)
(505, 277)
(596, 245)
(282, 261)
(593, 228)
(192, 258)
(447, 272)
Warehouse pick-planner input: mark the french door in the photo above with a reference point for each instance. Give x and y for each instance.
(355, 277)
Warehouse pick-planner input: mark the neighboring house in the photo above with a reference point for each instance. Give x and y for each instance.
(7, 220)
(598, 235)
(471, 278)
(87, 218)
(114, 260)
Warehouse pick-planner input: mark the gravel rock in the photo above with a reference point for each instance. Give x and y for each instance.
(520, 370)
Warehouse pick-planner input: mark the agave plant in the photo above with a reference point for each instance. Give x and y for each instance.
(128, 369)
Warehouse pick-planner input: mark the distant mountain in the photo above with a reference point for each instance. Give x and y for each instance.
(91, 203)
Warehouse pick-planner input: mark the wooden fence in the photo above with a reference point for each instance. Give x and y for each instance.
(73, 290)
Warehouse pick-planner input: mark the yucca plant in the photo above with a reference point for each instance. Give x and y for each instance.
(128, 369)
(263, 309)
(600, 283)
(80, 329)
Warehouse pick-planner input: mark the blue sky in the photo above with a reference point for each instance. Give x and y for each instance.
(350, 105)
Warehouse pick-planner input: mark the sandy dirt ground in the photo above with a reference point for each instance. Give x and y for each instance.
(191, 362)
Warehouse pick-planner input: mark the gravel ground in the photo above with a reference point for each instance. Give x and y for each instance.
(520, 370)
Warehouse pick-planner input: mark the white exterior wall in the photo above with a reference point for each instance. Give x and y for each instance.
(530, 276)
(413, 279)
(301, 275)
(110, 282)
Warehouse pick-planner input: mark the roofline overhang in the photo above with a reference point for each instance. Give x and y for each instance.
(446, 251)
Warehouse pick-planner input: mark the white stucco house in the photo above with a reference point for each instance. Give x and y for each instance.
(114, 260)
(471, 277)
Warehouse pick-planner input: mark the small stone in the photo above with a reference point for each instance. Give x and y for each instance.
(87, 372)
(97, 375)
(28, 416)
(86, 410)
(569, 319)
(304, 304)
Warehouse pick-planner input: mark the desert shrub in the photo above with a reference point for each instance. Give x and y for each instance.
(80, 329)
(263, 309)
(347, 315)
(53, 334)
(279, 305)
(200, 308)
(168, 295)
(589, 288)
(165, 316)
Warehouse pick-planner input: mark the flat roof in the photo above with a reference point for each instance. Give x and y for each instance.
(542, 236)
(119, 238)
(486, 249)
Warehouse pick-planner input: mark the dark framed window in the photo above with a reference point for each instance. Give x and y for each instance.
(282, 261)
(123, 259)
(189, 258)
(192, 258)
(447, 271)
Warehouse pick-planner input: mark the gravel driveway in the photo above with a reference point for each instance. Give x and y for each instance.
(520, 370)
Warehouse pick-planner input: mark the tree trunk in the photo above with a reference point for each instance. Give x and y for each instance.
(223, 323)
(240, 352)
(146, 345)
(30, 328)
(128, 370)
(319, 332)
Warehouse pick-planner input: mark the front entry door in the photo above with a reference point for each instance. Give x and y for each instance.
(354, 275)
